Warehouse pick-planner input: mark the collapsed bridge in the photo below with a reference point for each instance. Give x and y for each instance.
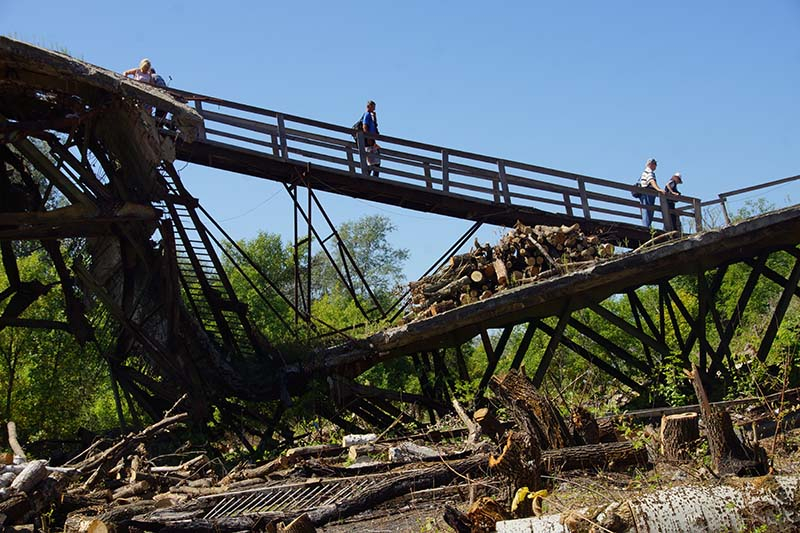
(83, 159)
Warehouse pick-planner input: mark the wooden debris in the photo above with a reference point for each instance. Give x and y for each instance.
(524, 255)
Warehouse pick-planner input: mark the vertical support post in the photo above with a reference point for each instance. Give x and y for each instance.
(362, 153)
(665, 212)
(567, 204)
(282, 137)
(273, 138)
(427, 170)
(501, 172)
(295, 257)
(698, 214)
(723, 203)
(351, 163)
(587, 214)
(308, 257)
(201, 131)
(445, 171)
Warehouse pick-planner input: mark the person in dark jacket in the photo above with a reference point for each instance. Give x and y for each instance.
(671, 189)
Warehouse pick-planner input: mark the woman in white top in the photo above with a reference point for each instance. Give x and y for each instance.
(143, 73)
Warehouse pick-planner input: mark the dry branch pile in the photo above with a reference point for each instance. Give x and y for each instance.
(525, 254)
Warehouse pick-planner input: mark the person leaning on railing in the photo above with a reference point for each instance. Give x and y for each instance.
(370, 125)
(648, 181)
(671, 189)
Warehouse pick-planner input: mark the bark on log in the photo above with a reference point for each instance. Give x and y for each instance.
(519, 461)
(760, 504)
(611, 456)
(532, 411)
(729, 455)
(677, 431)
(34, 472)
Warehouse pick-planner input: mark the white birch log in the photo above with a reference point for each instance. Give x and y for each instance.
(744, 504)
(34, 472)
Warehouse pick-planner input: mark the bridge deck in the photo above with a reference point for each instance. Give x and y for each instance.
(290, 149)
(703, 251)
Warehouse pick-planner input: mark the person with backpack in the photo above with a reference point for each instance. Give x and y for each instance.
(369, 124)
(648, 199)
(159, 82)
(671, 189)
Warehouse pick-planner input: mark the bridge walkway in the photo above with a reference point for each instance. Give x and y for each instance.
(259, 142)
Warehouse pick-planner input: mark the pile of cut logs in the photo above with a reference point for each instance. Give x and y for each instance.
(525, 254)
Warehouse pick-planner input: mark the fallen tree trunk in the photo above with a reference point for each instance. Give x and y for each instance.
(742, 505)
(606, 455)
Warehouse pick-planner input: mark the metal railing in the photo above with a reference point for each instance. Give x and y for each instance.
(453, 172)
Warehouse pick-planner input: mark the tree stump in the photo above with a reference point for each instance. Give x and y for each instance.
(677, 431)
(519, 462)
(532, 411)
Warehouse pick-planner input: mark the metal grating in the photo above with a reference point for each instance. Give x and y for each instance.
(295, 497)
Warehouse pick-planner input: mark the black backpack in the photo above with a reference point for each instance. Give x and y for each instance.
(357, 127)
(638, 185)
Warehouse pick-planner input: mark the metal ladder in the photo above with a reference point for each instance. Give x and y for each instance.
(206, 287)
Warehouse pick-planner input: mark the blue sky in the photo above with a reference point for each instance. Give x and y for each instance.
(708, 88)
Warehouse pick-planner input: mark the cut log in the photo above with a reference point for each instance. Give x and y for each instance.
(476, 276)
(78, 523)
(489, 424)
(134, 489)
(604, 456)
(407, 452)
(301, 524)
(501, 272)
(34, 472)
(485, 513)
(677, 431)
